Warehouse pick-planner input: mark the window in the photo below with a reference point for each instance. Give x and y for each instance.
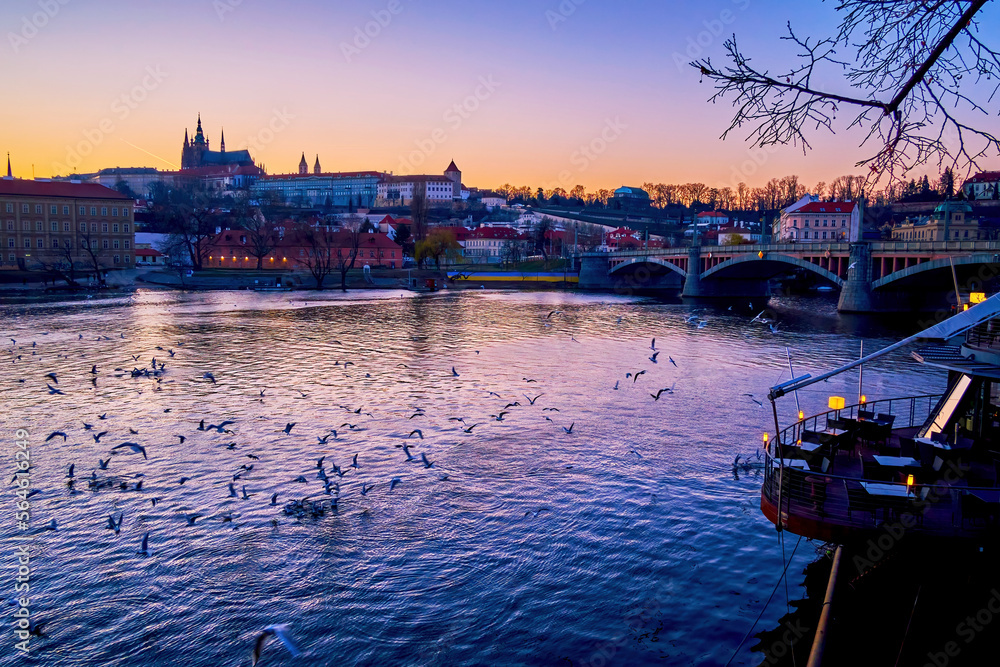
(805, 234)
(10, 243)
(55, 244)
(104, 227)
(105, 244)
(68, 243)
(27, 244)
(65, 210)
(104, 211)
(41, 243)
(67, 227)
(824, 235)
(114, 212)
(128, 259)
(125, 228)
(118, 259)
(128, 244)
(83, 226)
(38, 225)
(54, 226)
(10, 225)
(53, 210)
(38, 209)
(114, 228)
(24, 208)
(83, 211)
(93, 227)
(10, 208)
(93, 210)
(12, 257)
(124, 212)
(116, 244)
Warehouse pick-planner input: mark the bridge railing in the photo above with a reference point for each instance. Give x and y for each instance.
(818, 248)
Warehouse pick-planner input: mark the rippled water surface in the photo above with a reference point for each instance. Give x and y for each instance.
(627, 540)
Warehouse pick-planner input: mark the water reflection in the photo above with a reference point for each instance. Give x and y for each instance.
(522, 544)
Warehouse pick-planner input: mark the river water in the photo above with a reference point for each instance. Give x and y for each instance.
(627, 540)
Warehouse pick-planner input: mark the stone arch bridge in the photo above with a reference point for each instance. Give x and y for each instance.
(872, 276)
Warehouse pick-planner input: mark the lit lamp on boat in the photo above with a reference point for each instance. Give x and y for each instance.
(863, 399)
(836, 403)
(765, 442)
(802, 415)
(909, 484)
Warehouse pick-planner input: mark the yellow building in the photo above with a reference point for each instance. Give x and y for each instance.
(50, 221)
(950, 222)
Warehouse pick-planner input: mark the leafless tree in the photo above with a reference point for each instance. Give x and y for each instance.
(321, 252)
(349, 241)
(922, 74)
(62, 263)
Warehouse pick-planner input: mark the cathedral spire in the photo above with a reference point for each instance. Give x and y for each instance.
(186, 142)
(316, 167)
(222, 146)
(9, 174)
(303, 165)
(199, 137)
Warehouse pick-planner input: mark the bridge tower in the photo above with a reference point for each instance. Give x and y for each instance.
(856, 295)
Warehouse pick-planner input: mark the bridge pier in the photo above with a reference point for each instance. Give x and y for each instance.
(856, 295)
(719, 288)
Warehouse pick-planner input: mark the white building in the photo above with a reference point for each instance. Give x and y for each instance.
(437, 190)
(984, 185)
(811, 221)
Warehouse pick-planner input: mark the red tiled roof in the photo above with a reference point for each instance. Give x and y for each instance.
(460, 233)
(148, 252)
(25, 188)
(712, 214)
(327, 174)
(985, 177)
(827, 207)
(493, 233)
(419, 178)
(452, 167)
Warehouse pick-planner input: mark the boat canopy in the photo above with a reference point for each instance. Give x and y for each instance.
(943, 331)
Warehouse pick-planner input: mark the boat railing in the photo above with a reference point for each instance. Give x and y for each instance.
(909, 411)
(836, 499)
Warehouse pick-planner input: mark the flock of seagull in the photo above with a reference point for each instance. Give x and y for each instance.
(308, 496)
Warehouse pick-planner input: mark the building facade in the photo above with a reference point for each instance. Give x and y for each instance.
(233, 249)
(950, 222)
(984, 185)
(810, 221)
(45, 222)
(436, 190)
(358, 188)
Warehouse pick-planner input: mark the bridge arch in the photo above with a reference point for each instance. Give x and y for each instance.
(943, 263)
(732, 266)
(636, 261)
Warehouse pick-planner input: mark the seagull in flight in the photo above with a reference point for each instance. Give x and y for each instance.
(671, 360)
(209, 376)
(636, 376)
(53, 376)
(98, 436)
(134, 446)
(570, 429)
(652, 345)
(427, 464)
(53, 391)
(531, 401)
(56, 434)
(454, 372)
(393, 482)
(288, 427)
(144, 547)
(418, 432)
(653, 358)
(469, 430)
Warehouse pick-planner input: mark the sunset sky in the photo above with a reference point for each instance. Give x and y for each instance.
(511, 91)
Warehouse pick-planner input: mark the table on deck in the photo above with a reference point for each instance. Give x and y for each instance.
(798, 464)
(886, 490)
(897, 461)
(933, 443)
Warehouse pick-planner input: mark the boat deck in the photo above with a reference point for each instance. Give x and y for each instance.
(864, 489)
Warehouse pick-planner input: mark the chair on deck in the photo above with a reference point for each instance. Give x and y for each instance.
(858, 501)
(817, 460)
(908, 448)
(887, 418)
(973, 509)
(865, 414)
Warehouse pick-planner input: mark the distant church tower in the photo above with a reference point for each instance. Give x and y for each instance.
(455, 174)
(303, 165)
(316, 169)
(191, 155)
(222, 144)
